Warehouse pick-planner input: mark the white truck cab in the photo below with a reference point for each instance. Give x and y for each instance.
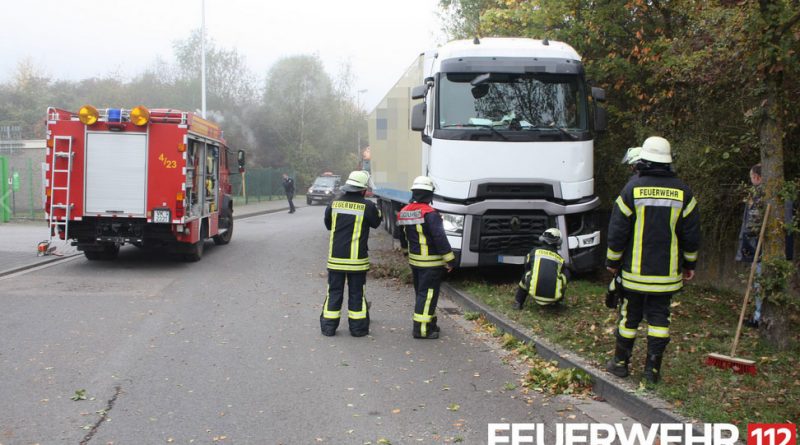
(505, 128)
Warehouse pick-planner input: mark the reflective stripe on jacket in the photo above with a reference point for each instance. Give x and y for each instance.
(654, 232)
(427, 242)
(349, 219)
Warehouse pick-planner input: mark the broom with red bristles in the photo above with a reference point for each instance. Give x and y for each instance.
(741, 365)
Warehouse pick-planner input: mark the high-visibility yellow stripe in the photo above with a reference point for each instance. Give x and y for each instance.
(345, 268)
(638, 233)
(623, 207)
(356, 237)
(535, 274)
(658, 331)
(653, 288)
(690, 207)
(690, 256)
(613, 255)
(333, 231)
(362, 314)
(449, 256)
(673, 243)
(623, 331)
(426, 312)
(423, 242)
(349, 260)
(419, 318)
(328, 313)
(654, 279)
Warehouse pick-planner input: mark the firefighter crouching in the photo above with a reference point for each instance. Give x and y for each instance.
(543, 279)
(349, 219)
(429, 254)
(654, 232)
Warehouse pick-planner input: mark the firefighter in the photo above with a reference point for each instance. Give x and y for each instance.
(349, 218)
(631, 158)
(653, 234)
(429, 255)
(543, 279)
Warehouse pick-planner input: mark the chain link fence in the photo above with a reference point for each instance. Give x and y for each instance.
(260, 184)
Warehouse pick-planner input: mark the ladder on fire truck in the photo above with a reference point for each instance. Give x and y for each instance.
(57, 183)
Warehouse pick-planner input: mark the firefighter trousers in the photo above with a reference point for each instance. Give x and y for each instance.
(357, 310)
(427, 281)
(655, 309)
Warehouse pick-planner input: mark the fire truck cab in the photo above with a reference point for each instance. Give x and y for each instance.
(152, 178)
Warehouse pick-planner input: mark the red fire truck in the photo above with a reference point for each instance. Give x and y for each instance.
(157, 178)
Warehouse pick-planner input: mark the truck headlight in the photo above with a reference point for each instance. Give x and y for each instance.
(453, 224)
(310, 190)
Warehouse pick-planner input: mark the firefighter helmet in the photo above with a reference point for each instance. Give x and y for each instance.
(423, 183)
(656, 149)
(357, 181)
(551, 237)
(632, 156)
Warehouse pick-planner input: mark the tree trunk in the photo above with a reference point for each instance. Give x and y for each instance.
(775, 321)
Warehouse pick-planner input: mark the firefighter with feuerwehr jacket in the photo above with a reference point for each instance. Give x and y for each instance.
(653, 239)
(429, 254)
(349, 218)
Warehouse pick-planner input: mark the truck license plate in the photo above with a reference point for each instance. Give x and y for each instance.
(507, 259)
(161, 216)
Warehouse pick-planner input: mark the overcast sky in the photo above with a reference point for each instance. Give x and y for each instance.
(78, 39)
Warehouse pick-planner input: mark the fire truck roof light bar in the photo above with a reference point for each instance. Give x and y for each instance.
(89, 115)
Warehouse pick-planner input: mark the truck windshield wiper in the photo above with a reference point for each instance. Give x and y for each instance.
(553, 126)
(488, 127)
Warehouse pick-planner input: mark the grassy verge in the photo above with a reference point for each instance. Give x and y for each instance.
(703, 320)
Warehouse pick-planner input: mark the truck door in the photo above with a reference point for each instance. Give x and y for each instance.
(116, 173)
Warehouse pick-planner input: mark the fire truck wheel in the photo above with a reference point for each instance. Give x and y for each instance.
(225, 238)
(196, 252)
(308, 200)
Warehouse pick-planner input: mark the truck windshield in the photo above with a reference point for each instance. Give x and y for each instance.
(325, 181)
(531, 102)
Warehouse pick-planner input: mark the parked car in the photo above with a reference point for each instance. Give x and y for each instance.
(324, 189)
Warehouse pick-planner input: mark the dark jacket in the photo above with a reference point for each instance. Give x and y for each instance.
(654, 232)
(427, 242)
(288, 186)
(349, 219)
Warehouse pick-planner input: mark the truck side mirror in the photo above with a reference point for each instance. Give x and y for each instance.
(418, 117)
(419, 91)
(599, 94)
(240, 159)
(600, 119)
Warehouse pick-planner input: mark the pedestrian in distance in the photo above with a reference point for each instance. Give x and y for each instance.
(653, 241)
(288, 187)
(752, 218)
(349, 218)
(543, 279)
(429, 255)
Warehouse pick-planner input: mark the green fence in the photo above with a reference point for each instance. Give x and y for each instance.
(5, 191)
(261, 184)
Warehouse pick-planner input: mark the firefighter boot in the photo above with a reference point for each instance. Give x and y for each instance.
(619, 364)
(519, 298)
(652, 368)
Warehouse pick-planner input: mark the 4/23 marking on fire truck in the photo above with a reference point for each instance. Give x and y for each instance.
(168, 163)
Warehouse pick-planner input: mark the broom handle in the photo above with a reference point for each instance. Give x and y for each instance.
(750, 280)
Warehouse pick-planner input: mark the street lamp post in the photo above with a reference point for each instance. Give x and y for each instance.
(358, 125)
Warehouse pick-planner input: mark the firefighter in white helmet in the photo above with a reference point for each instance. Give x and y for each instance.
(349, 218)
(653, 240)
(429, 254)
(544, 279)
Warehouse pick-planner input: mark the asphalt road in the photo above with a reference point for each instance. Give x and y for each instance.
(228, 350)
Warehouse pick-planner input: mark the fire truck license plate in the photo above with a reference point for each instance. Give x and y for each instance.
(161, 216)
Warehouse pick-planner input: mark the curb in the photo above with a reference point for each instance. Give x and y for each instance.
(14, 270)
(647, 410)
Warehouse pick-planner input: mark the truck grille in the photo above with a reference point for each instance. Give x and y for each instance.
(508, 233)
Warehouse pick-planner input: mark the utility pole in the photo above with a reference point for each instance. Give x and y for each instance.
(203, 60)
(358, 125)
